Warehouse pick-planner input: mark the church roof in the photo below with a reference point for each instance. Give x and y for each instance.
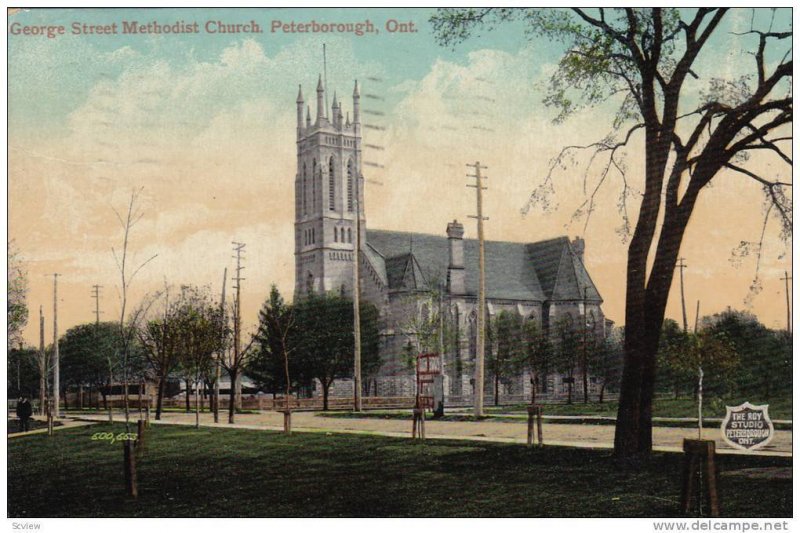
(560, 271)
(546, 270)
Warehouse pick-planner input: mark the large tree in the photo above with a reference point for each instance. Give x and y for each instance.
(273, 366)
(91, 355)
(196, 325)
(159, 337)
(324, 329)
(695, 124)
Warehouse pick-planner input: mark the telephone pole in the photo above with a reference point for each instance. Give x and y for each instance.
(786, 279)
(56, 377)
(481, 340)
(238, 247)
(42, 365)
(356, 255)
(218, 370)
(96, 296)
(357, 304)
(681, 265)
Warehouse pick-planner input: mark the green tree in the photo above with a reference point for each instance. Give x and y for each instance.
(324, 328)
(158, 335)
(22, 372)
(91, 355)
(764, 354)
(17, 292)
(536, 356)
(694, 125)
(605, 361)
(502, 359)
(674, 371)
(568, 351)
(273, 366)
(196, 327)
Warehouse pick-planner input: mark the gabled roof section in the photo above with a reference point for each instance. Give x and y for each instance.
(377, 261)
(509, 273)
(561, 272)
(404, 272)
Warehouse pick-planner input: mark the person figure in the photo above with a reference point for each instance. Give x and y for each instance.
(24, 412)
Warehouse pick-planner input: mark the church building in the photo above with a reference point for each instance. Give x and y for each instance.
(408, 276)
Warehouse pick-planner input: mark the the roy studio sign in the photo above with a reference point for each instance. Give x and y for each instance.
(747, 426)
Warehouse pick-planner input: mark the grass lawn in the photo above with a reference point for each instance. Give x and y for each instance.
(780, 408)
(239, 473)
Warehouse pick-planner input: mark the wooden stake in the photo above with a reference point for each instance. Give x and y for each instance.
(140, 437)
(131, 487)
(287, 421)
(699, 463)
(418, 424)
(535, 413)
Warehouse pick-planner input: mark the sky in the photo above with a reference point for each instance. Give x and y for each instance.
(204, 124)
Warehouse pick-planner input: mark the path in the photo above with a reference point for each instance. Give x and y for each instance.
(575, 435)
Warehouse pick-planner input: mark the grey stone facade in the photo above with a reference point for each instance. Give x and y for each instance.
(411, 276)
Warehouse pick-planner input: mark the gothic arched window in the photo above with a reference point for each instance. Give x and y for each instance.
(349, 235)
(331, 186)
(350, 185)
(472, 333)
(314, 186)
(305, 190)
(335, 235)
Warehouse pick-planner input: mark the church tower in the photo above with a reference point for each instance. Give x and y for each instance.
(329, 191)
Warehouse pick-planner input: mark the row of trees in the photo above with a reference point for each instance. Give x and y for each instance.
(740, 357)
(188, 336)
(575, 351)
(310, 340)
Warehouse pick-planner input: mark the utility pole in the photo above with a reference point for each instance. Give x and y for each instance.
(56, 377)
(697, 316)
(96, 296)
(481, 340)
(238, 247)
(356, 257)
(681, 265)
(224, 324)
(786, 279)
(42, 365)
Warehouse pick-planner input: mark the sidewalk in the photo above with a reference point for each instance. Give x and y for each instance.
(66, 423)
(665, 439)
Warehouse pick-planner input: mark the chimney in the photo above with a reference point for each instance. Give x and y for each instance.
(455, 270)
(579, 246)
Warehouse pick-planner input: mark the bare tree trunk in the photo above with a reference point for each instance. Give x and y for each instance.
(602, 392)
(197, 405)
(496, 389)
(585, 383)
(188, 396)
(325, 387)
(232, 396)
(162, 381)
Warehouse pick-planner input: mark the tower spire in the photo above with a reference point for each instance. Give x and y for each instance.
(356, 105)
(321, 111)
(300, 102)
